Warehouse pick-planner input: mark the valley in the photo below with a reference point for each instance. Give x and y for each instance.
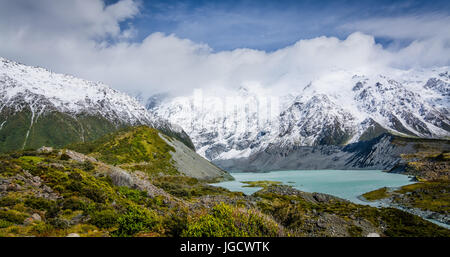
(96, 162)
(52, 192)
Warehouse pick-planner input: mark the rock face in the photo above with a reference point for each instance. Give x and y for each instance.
(193, 165)
(382, 152)
(39, 107)
(315, 120)
(135, 180)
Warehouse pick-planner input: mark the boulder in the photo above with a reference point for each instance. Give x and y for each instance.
(73, 235)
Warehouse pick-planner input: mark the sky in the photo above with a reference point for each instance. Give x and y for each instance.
(151, 47)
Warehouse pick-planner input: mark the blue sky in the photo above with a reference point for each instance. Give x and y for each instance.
(268, 24)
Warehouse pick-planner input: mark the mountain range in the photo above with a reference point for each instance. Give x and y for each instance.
(335, 112)
(341, 120)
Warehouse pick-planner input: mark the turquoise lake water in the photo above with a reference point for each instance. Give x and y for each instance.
(346, 184)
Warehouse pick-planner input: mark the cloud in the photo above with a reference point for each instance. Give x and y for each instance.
(73, 19)
(428, 37)
(91, 40)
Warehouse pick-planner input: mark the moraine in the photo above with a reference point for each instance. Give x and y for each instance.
(346, 184)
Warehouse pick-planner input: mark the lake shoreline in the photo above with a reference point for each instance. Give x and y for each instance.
(346, 184)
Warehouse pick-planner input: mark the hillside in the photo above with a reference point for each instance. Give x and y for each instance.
(39, 107)
(146, 149)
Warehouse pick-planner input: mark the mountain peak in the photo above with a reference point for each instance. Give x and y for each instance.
(338, 108)
(39, 107)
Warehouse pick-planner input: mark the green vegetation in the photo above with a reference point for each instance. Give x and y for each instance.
(261, 183)
(226, 221)
(183, 138)
(73, 197)
(431, 168)
(139, 148)
(354, 231)
(376, 194)
(50, 129)
(431, 196)
(107, 218)
(319, 215)
(137, 220)
(403, 224)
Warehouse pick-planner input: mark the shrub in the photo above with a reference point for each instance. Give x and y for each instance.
(186, 187)
(39, 203)
(9, 201)
(42, 229)
(89, 186)
(226, 221)
(88, 166)
(74, 203)
(175, 223)
(52, 212)
(400, 224)
(59, 223)
(354, 231)
(104, 218)
(136, 220)
(219, 223)
(13, 216)
(134, 195)
(96, 194)
(5, 223)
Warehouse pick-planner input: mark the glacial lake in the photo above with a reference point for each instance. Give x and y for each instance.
(346, 184)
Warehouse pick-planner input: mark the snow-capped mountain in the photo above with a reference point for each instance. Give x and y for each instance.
(339, 108)
(39, 107)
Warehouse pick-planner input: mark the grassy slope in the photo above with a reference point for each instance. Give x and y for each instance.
(50, 129)
(376, 194)
(146, 149)
(137, 148)
(71, 197)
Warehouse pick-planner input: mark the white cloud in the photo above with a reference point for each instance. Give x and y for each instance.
(84, 38)
(429, 36)
(71, 18)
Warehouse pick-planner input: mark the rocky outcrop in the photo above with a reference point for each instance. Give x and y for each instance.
(25, 182)
(193, 165)
(136, 180)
